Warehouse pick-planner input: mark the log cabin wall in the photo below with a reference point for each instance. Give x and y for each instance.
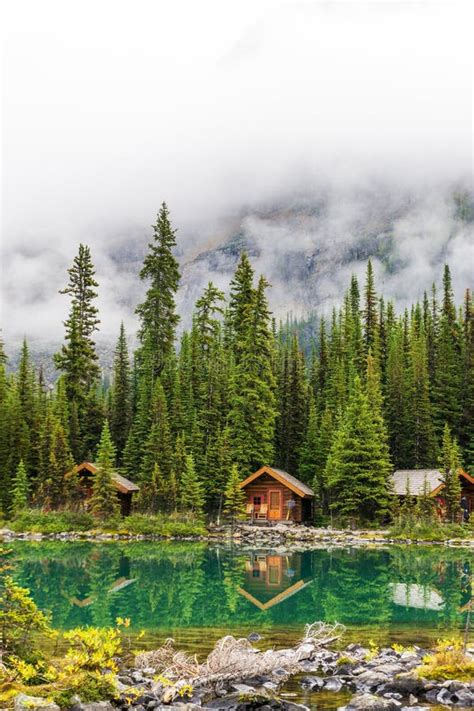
(262, 486)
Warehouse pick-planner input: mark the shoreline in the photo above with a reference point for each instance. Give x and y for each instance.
(288, 536)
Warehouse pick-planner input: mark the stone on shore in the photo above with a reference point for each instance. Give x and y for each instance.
(23, 702)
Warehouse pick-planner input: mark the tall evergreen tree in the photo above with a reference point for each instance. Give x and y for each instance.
(121, 406)
(158, 317)
(20, 490)
(192, 493)
(241, 299)
(448, 379)
(450, 466)
(370, 309)
(358, 468)
(77, 358)
(104, 501)
(234, 496)
(253, 402)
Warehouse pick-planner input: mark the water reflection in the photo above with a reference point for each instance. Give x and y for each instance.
(170, 587)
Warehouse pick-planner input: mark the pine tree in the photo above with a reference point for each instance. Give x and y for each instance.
(234, 496)
(450, 466)
(192, 494)
(121, 411)
(241, 299)
(158, 317)
(253, 402)
(78, 358)
(370, 309)
(423, 447)
(309, 450)
(448, 378)
(466, 432)
(104, 501)
(20, 490)
(358, 470)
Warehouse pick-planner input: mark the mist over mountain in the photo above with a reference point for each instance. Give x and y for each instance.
(307, 245)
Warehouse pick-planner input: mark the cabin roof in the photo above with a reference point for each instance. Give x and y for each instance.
(297, 486)
(125, 486)
(416, 478)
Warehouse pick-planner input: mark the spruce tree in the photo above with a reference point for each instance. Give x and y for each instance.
(104, 501)
(450, 466)
(234, 496)
(423, 447)
(253, 402)
(77, 358)
(309, 450)
(192, 493)
(20, 490)
(370, 309)
(158, 317)
(358, 469)
(448, 377)
(241, 299)
(121, 410)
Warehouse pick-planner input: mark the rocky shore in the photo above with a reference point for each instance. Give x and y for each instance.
(287, 535)
(239, 677)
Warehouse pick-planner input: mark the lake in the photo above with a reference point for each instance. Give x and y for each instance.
(195, 593)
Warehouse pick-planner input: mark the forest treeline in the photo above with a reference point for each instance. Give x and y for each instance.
(379, 390)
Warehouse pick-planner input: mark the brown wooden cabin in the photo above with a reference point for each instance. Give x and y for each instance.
(125, 487)
(415, 479)
(269, 490)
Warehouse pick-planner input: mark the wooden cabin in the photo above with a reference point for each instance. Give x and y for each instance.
(275, 495)
(125, 487)
(415, 479)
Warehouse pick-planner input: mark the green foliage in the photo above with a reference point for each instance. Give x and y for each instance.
(20, 490)
(38, 521)
(234, 496)
(192, 494)
(449, 661)
(104, 501)
(20, 620)
(158, 317)
(450, 466)
(358, 467)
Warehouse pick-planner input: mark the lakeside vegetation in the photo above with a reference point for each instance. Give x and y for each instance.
(377, 390)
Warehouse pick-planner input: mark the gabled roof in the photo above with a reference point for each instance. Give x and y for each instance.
(125, 486)
(416, 479)
(288, 480)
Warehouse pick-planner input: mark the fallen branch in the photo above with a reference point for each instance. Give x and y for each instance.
(234, 660)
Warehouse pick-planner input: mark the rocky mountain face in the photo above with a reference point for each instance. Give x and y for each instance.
(307, 247)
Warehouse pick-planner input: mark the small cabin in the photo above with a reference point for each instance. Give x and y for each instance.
(414, 481)
(274, 495)
(125, 487)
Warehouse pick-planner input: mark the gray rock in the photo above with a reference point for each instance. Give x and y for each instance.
(391, 669)
(254, 637)
(23, 702)
(333, 684)
(93, 706)
(370, 679)
(432, 695)
(444, 697)
(364, 702)
(243, 688)
(464, 697)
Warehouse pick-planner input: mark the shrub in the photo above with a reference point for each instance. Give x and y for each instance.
(20, 620)
(427, 530)
(448, 661)
(38, 521)
(159, 525)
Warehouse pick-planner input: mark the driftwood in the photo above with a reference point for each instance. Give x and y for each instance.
(234, 660)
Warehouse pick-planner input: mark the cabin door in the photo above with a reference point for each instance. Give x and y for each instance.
(274, 505)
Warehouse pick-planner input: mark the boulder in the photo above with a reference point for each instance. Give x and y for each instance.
(370, 679)
(23, 702)
(93, 706)
(333, 684)
(366, 702)
(464, 697)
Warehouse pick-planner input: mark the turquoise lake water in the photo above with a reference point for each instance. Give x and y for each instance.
(196, 593)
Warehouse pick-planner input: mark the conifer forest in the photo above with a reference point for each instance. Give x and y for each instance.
(190, 413)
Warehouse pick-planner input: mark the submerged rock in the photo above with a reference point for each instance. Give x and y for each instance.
(366, 702)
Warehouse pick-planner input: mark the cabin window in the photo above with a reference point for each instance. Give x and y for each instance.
(257, 500)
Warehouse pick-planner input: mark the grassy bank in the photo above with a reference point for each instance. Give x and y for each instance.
(46, 522)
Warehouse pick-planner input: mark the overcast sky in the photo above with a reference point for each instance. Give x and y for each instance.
(109, 107)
